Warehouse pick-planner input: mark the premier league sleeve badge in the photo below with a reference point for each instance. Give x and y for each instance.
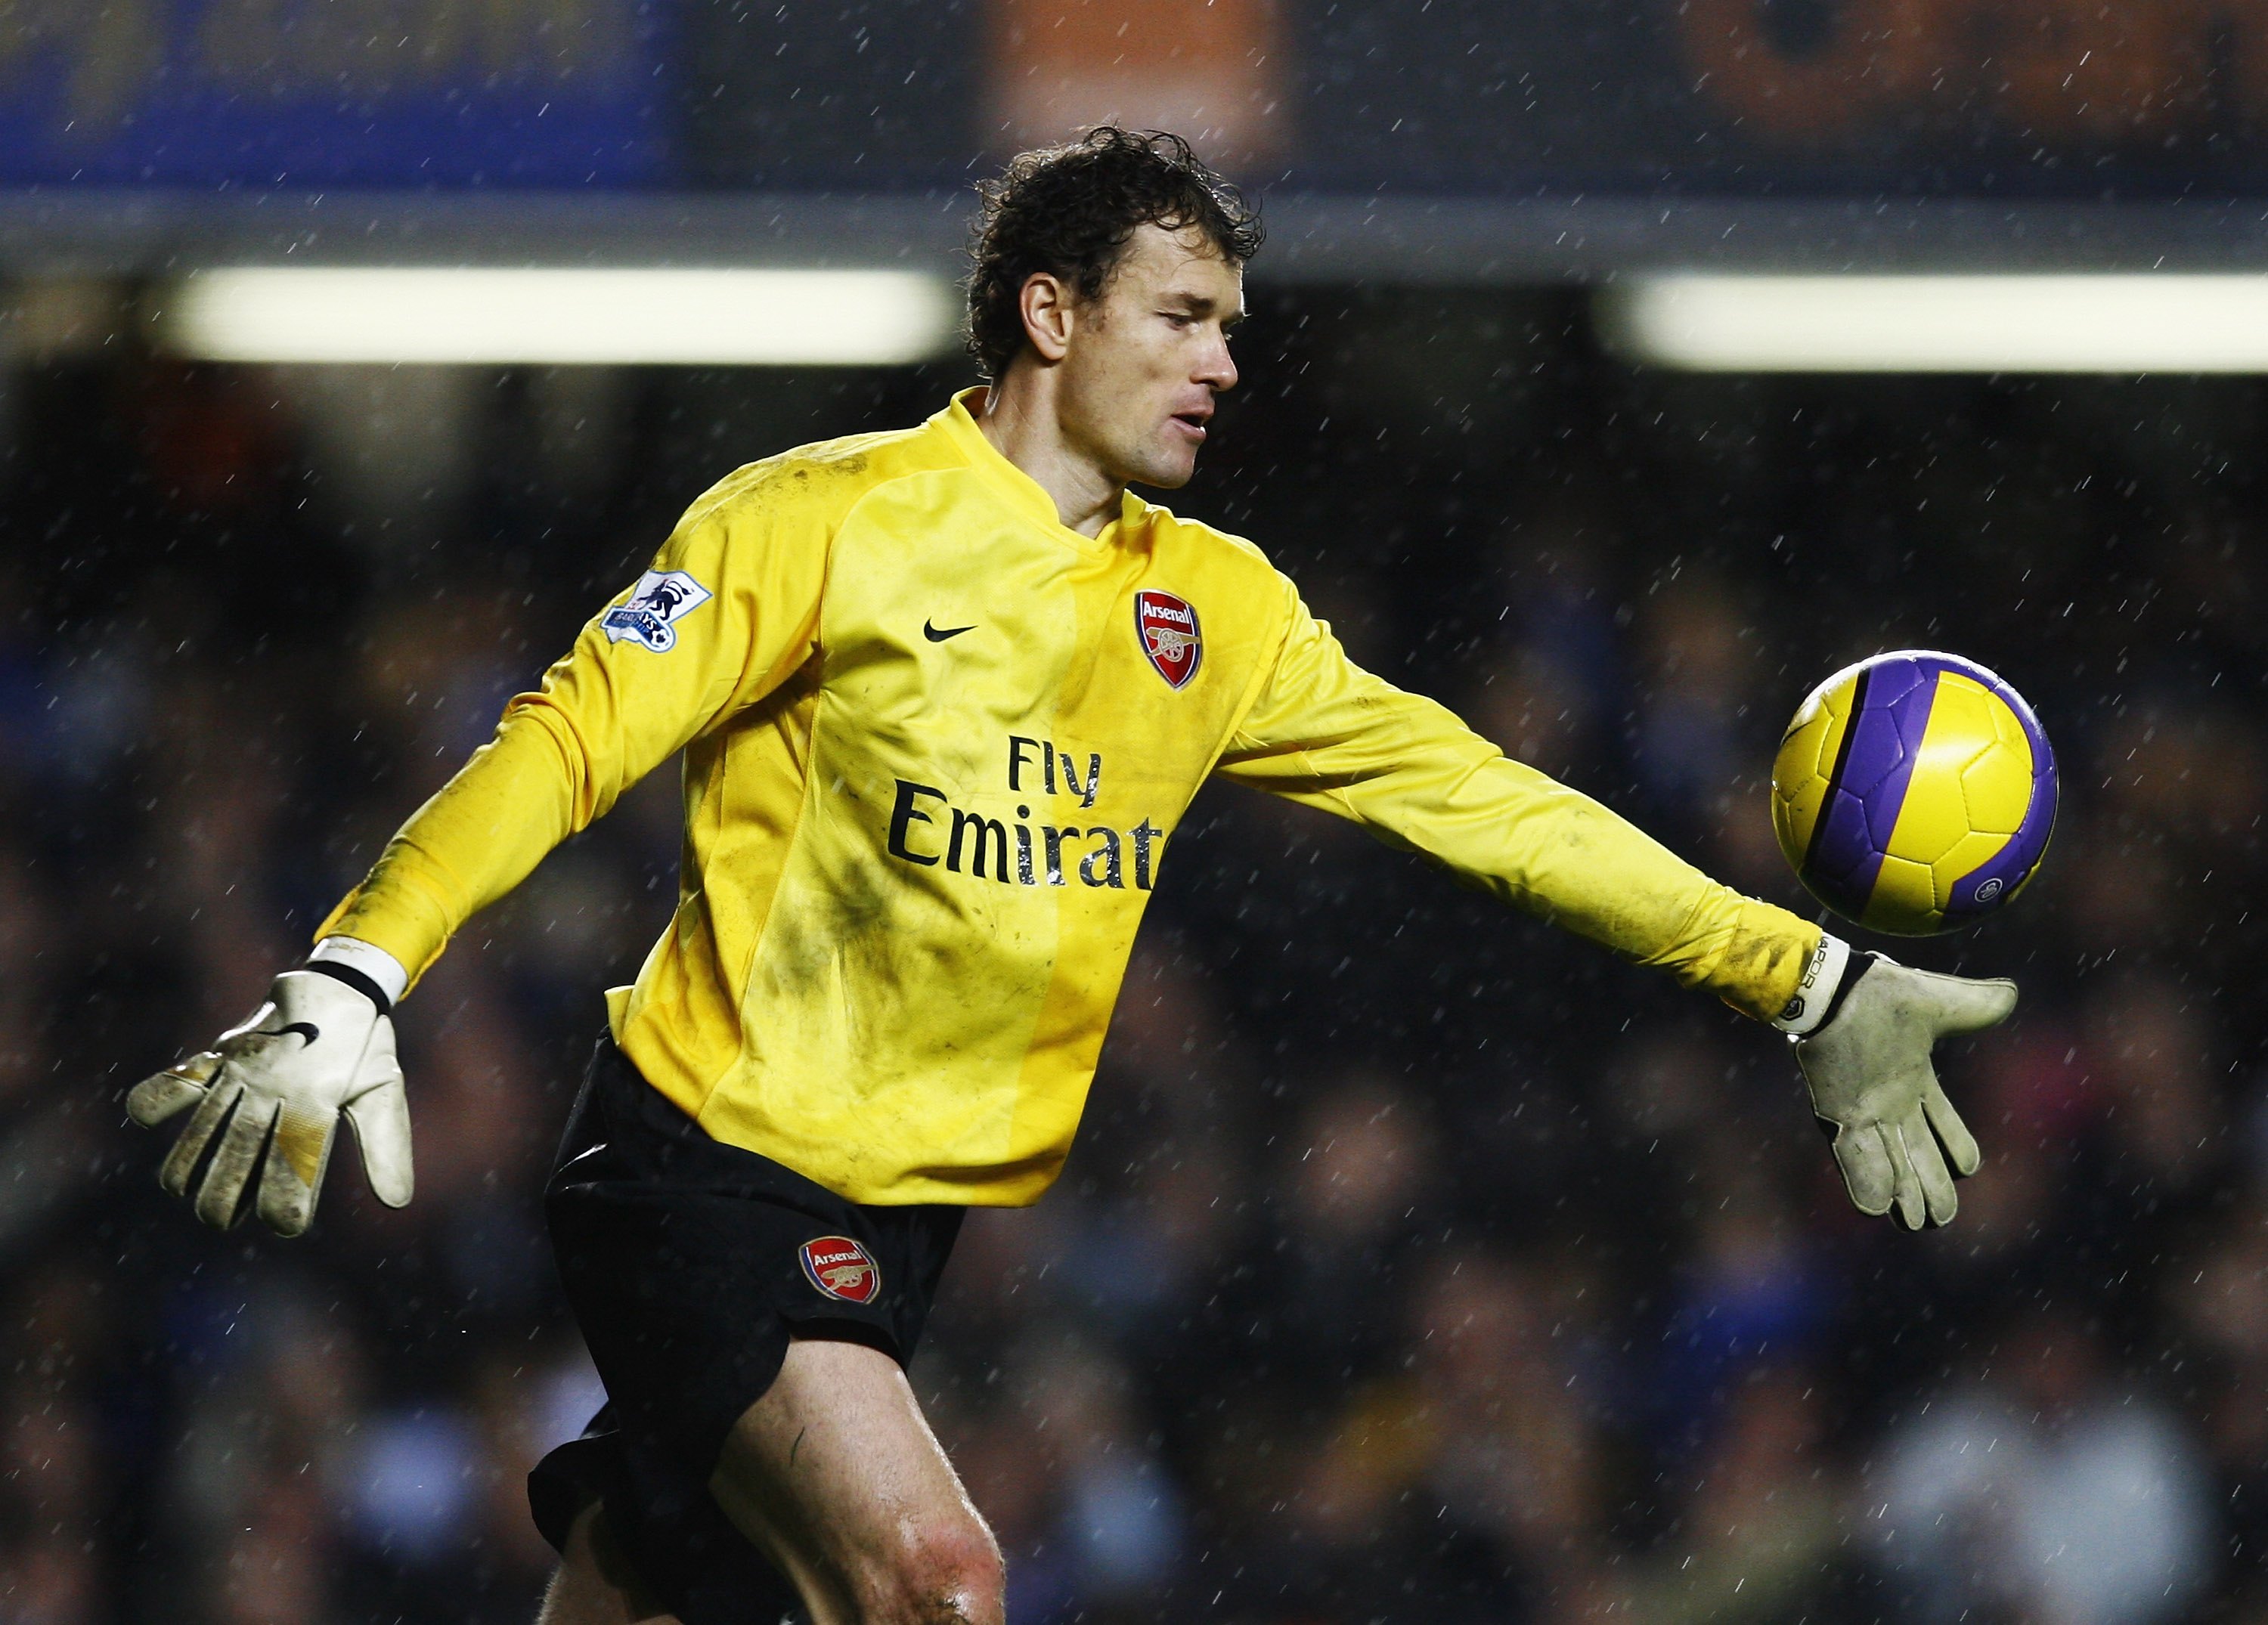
(661, 598)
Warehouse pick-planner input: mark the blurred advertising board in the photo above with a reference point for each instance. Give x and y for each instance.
(2070, 100)
(216, 94)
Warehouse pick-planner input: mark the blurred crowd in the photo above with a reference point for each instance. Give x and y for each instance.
(1417, 1263)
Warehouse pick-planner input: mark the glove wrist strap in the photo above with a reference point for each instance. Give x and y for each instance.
(375, 970)
(1816, 991)
(339, 970)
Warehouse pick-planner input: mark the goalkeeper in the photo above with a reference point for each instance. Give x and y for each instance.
(943, 694)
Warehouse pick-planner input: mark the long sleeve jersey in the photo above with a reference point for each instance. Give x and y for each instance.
(936, 746)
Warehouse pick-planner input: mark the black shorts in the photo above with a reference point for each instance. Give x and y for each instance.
(687, 1263)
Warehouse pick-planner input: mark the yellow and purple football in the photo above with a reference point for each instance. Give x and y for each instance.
(1914, 792)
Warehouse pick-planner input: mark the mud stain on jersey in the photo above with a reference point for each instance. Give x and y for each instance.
(1773, 964)
(839, 928)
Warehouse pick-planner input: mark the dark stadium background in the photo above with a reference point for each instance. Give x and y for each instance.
(1417, 1261)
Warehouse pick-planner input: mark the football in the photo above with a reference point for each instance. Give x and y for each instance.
(1914, 792)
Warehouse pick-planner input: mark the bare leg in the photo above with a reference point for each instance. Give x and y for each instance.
(836, 1476)
(595, 1585)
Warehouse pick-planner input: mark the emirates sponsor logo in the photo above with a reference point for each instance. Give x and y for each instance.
(1168, 627)
(840, 1268)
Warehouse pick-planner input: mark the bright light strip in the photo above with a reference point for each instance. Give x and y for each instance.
(2076, 323)
(714, 318)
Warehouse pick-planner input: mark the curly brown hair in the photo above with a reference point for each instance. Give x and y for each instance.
(1071, 209)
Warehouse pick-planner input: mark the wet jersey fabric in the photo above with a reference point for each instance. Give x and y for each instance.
(936, 746)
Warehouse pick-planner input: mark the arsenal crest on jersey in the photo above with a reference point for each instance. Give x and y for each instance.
(1168, 627)
(840, 1268)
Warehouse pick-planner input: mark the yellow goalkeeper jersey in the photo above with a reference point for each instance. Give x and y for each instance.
(936, 746)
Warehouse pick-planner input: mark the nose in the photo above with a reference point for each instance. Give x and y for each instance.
(1216, 369)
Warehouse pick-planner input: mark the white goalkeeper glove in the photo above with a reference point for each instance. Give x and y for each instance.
(270, 1095)
(1865, 1052)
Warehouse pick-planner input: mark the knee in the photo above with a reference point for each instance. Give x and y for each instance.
(936, 1572)
(594, 1580)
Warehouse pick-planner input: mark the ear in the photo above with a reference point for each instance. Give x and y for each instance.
(1045, 303)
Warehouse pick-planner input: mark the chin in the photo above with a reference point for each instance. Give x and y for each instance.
(1166, 474)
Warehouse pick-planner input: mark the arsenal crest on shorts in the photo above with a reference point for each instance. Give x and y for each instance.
(1168, 628)
(840, 1268)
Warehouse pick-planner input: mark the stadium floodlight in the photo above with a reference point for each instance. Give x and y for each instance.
(2147, 322)
(557, 316)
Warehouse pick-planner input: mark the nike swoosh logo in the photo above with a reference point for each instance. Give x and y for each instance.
(312, 1030)
(937, 635)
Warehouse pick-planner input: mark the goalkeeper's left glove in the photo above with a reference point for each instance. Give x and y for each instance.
(1863, 1026)
(277, 1084)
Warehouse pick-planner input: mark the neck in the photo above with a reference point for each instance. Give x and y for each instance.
(1018, 415)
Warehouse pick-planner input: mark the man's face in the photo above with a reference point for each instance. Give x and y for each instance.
(1146, 356)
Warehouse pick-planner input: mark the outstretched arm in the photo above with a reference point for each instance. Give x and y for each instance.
(1324, 732)
(728, 611)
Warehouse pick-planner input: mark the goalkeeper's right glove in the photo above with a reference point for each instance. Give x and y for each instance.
(270, 1095)
(1867, 1065)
